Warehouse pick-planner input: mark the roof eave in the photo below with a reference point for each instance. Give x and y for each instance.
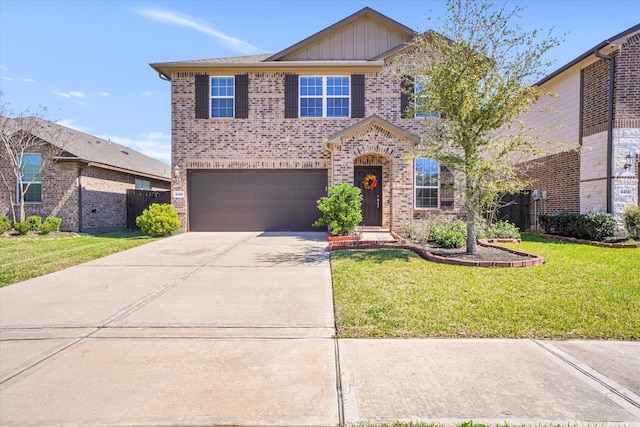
(618, 38)
(89, 163)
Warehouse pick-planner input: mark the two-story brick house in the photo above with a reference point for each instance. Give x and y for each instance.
(598, 110)
(257, 140)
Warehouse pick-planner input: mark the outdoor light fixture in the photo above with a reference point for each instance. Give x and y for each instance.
(628, 161)
(176, 171)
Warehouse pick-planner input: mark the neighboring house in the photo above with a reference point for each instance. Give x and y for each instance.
(257, 140)
(599, 110)
(84, 179)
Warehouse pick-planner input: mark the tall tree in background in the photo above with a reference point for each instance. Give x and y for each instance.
(24, 154)
(478, 80)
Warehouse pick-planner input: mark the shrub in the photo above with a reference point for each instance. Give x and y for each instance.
(4, 224)
(503, 230)
(158, 220)
(341, 209)
(22, 227)
(54, 222)
(46, 227)
(35, 221)
(631, 217)
(591, 226)
(452, 235)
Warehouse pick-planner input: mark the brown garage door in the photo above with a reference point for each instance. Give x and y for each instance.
(255, 200)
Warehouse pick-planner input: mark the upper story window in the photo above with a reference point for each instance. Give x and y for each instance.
(420, 98)
(222, 97)
(325, 96)
(31, 184)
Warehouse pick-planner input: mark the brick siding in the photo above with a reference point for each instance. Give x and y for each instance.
(559, 175)
(269, 140)
(595, 91)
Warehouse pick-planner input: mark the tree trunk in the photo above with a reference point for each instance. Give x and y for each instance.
(471, 208)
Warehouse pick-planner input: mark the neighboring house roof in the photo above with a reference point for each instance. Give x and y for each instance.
(82, 147)
(615, 40)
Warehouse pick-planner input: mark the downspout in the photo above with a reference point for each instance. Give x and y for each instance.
(612, 66)
(80, 199)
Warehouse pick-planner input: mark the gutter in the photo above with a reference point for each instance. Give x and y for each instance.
(612, 66)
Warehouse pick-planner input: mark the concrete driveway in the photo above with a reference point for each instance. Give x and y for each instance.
(238, 329)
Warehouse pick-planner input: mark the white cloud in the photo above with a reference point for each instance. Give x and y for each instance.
(70, 94)
(28, 80)
(232, 43)
(104, 94)
(146, 93)
(152, 144)
(7, 78)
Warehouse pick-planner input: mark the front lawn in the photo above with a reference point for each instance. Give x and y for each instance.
(580, 292)
(25, 257)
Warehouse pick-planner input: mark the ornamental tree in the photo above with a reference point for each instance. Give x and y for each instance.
(477, 80)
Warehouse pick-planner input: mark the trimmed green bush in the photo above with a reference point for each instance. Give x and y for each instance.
(503, 230)
(35, 221)
(158, 220)
(341, 209)
(46, 228)
(54, 222)
(4, 224)
(631, 217)
(22, 227)
(590, 226)
(452, 235)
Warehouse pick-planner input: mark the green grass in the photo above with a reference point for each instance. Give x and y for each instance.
(580, 292)
(25, 257)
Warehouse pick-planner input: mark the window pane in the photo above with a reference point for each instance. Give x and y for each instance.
(311, 107)
(222, 86)
(426, 173)
(33, 193)
(337, 86)
(311, 86)
(338, 107)
(426, 198)
(31, 164)
(222, 107)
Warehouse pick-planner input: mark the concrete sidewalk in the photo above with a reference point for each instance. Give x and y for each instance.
(237, 328)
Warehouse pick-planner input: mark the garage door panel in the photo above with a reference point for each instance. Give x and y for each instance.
(274, 200)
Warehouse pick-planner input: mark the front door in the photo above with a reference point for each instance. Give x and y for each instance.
(369, 180)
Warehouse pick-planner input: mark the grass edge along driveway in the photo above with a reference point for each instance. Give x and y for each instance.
(26, 257)
(580, 292)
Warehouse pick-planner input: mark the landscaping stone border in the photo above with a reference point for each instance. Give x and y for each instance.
(589, 242)
(351, 243)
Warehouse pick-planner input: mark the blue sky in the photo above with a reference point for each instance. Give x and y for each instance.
(87, 61)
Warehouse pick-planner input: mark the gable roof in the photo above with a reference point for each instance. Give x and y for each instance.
(403, 32)
(359, 42)
(82, 147)
(617, 39)
(373, 121)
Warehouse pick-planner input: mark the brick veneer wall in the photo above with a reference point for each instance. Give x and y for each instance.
(103, 190)
(595, 91)
(627, 85)
(267, 140)
(559, 175)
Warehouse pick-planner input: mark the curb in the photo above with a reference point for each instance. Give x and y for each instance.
(590, 242)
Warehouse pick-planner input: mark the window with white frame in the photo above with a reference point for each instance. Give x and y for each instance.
(426, 184)
(324, 96)
(420, 98)
(31, 184)
(222, 97)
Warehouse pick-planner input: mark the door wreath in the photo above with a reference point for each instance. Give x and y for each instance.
(370, 182)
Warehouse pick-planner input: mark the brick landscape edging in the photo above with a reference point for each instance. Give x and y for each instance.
(425, 254)
(589, 242)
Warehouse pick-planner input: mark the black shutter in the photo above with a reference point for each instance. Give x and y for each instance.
(357, 96)
(242, 96)
(406, 89)
(290, 96)
(202, 96)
